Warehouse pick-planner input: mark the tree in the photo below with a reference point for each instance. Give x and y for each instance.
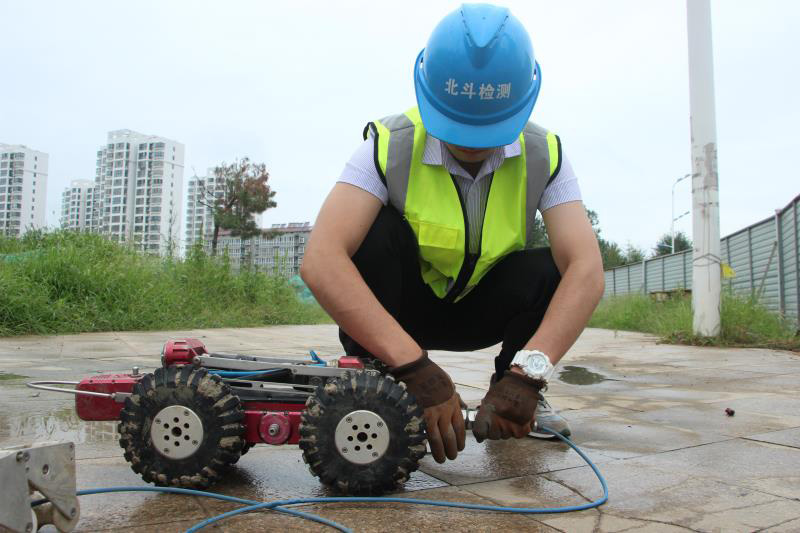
(539, 237)
(611, 254)
(664, 244)
(240, 192)
(633, 254)
(609, 251)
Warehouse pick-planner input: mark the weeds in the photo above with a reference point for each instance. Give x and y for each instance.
(744, 321)
(67, 282)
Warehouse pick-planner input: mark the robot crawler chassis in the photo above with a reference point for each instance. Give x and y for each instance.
(360, 432)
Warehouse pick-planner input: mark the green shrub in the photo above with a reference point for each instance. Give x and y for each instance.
(68, 282)
(744, 322)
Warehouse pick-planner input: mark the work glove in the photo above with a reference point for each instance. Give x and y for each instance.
(508, 409)
(437, 395)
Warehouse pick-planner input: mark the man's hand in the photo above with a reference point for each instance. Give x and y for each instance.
(434, 390)
(509, 408)
(446, 430)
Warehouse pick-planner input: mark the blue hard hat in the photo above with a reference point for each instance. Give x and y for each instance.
(477, 79)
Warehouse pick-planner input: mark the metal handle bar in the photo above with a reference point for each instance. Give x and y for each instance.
(42, 385)
(470, 415)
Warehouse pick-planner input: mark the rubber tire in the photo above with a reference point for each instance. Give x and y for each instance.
(246, 448)
(369, 391)
(210, 398)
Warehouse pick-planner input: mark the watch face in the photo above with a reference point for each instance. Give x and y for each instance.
(538, 364)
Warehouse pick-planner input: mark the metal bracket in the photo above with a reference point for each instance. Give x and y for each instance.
(43, 385)
(218, 361)
(47, 468)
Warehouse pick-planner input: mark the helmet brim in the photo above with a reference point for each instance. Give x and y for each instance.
(451, 131)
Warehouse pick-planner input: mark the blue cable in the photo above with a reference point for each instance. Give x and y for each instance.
(317, 359)
(251, 505)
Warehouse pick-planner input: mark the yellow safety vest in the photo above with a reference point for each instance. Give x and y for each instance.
(429, 199)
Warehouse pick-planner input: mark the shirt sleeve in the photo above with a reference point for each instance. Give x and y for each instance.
(564, 187)
(360, 171)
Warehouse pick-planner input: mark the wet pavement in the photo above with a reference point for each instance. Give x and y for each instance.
(651, 416)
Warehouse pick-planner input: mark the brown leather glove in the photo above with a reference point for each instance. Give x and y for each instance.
(508, 409)
(426, 380)
(434, 390)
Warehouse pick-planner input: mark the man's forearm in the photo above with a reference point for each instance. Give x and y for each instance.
(575, 299)
(342, 292)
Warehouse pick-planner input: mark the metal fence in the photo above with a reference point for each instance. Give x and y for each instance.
(762, 260)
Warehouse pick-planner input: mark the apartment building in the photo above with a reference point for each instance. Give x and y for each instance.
(199, 217)
(279, 251)
(139, 185)
(23, 189)
(78, 206)
(201, 192)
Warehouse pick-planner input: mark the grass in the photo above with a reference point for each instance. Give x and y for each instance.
(744, 321)
(66, 282)
(9, 377)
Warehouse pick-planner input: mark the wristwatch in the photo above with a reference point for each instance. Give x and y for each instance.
(534, 364)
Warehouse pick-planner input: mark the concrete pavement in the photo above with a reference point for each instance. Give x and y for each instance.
(651, 416)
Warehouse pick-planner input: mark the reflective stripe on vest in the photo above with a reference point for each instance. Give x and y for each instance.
(429, 199)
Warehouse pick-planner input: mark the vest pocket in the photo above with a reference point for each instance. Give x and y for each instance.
(436, 236)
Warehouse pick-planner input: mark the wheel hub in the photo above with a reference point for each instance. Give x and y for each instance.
(362, 437)
(176, 432)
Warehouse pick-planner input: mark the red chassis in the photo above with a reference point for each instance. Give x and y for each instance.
(187, 421)
(266, 421)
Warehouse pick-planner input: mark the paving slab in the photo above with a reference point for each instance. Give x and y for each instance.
(626, 437)
(677, 497)
(503, 459)
(653, 421)
(472, 396)
(470, 378)
(790, 526)
(113, 511)
(770, 468)
(785, 437)
(712, 418)
(783, 384)
(383, 517)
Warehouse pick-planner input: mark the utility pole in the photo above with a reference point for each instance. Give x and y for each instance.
(672, 224)
(706, 270)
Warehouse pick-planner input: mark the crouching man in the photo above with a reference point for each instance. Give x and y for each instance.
(425, 242)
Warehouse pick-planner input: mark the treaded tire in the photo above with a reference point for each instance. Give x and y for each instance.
(384, 397)
(219, 410)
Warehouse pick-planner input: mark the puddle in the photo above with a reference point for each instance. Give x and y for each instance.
(578, 375)
(62, 424)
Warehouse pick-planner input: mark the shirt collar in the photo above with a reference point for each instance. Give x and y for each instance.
(433, 150)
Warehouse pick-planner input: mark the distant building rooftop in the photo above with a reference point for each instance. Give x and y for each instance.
(290, 227)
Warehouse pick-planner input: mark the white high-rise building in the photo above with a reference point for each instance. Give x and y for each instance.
(78, 206)
(200, 217)
(23, 189)
(139, 184)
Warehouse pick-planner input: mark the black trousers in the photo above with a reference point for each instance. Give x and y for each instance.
(507, 305)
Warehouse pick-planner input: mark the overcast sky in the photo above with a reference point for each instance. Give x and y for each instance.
(291, 84)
